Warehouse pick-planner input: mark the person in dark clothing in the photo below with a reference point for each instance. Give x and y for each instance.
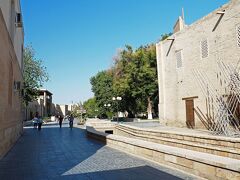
(71, 118)
(40, 121)
(60, 120)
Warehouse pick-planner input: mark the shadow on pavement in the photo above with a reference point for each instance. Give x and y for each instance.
(138, 173)
(54, 153)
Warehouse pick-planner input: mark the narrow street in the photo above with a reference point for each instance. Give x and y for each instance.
(55, 153)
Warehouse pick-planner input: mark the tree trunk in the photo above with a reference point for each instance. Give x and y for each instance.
(149, 109)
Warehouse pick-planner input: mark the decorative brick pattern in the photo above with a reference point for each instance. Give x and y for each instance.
(179, 58)
(204, 48)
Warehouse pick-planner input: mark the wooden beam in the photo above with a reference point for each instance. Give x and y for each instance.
(221, 13)
(189, 98)
(172, 40)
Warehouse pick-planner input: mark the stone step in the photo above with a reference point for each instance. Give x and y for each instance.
(177, 142)
(204, 165)
(220, 141)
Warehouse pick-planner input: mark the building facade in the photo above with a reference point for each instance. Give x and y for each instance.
(42, 105)
(61, 109)
(64, 109)
(11, 63)
(199, 46)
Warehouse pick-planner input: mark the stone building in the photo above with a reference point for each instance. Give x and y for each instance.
(197, 46)
(61, 109)
(11, 63)
(64, 109)
(42, 105)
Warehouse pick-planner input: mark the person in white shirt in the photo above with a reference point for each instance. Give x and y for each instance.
(35, 121)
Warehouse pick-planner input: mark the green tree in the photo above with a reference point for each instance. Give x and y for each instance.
(102, 87)
(135, 78)
(91, 107)
(165, 36)
(77, 110)
(34, 75)
(144, 77)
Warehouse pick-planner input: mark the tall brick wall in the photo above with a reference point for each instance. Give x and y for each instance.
(177, 83)
(10, 99)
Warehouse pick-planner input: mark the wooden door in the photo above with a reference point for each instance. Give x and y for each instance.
(190, 122)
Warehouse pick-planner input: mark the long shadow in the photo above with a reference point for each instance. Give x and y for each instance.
(55, 153)
(138, 173)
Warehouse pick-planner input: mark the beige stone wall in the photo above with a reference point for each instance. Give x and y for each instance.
(9, 9)
(42, 105)
(177, 83)
(10, 99)
(33, 108)
(64, 109)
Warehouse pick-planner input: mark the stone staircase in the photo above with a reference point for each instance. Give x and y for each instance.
(217, 145)
(202, 155)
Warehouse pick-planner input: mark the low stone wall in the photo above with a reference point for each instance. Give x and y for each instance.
(222, 146)
(197, 163)
(103, 126)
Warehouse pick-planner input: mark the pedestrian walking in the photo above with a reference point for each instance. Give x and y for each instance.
(60, 120)
(35, 120)
(71, 118)
(40, 123)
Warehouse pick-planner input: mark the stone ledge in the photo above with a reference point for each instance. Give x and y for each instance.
(173, 156)
(203, 136)
(176, 142)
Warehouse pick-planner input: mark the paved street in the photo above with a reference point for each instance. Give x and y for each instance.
(55, 153)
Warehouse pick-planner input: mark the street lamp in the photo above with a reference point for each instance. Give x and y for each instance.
(96, 110)
(117, 99)
(107, 105)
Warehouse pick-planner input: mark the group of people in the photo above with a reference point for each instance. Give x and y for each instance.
(70, 119)
(37, 122)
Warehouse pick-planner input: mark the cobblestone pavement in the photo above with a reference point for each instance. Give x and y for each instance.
(55, 153)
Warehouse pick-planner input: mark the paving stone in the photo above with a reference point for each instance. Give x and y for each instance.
(55, 153)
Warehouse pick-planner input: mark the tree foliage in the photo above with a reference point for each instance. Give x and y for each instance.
(133, 77)
(165, 36)
(137, 80)
(102, 87)
(91, 107)
(34, 74)
(77, 110)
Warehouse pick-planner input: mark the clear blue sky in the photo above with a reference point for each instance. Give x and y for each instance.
(78, 38)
